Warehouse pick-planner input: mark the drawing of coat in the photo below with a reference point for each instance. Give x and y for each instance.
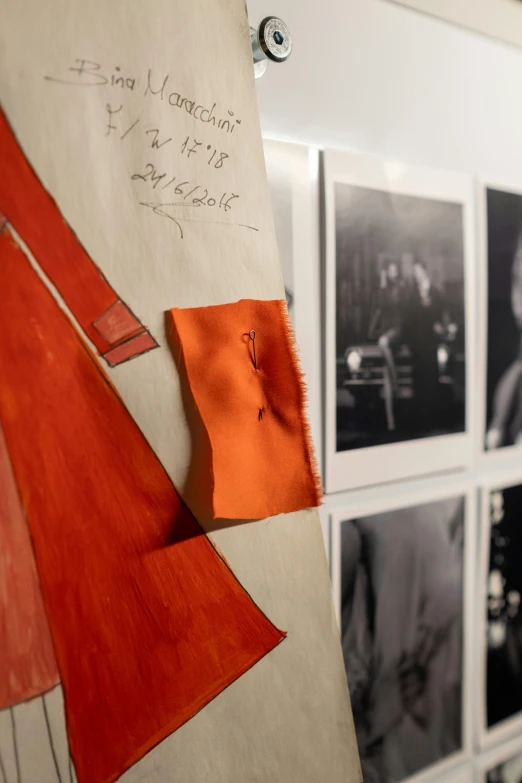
(148, 623)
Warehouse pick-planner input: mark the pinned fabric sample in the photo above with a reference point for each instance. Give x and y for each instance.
(148, 622)
(242, 370)
(27, 663)
(107, 321)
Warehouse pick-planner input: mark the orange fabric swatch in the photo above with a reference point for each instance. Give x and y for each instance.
(27, 663)
(148, 622)
(260, 455)
(32, 212)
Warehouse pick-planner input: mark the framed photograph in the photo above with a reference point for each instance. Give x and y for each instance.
(499, 641)
(501, 339)
(501, 19)
(399, 321)
(502, 765)
(403, 589)
(293, 172)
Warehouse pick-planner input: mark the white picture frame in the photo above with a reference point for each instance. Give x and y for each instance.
(496, 756)
(359, 467)
(446, 769)
(293, 179)
(488, 738)
(498, 456)
(463, 775)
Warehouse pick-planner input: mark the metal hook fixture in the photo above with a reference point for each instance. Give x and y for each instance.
(271, 41)
(252, 335)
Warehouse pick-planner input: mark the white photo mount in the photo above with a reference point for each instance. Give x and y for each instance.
(292, 172)
(354, 468)
(463, 775)
(497, 756)
(446, 769)
(293, 179)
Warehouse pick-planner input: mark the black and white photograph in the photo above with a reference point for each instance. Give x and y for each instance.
(399, 320)
(400, 326)
(400, 584)
(504, 319)
(503, 663)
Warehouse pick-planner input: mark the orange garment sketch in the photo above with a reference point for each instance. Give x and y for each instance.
(27, 663)
(241, 367)
(148, 622)
(107, 321)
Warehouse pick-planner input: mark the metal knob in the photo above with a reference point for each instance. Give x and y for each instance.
(271, 41)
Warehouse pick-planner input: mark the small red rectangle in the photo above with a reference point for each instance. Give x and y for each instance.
(117, 323)
(140, 344)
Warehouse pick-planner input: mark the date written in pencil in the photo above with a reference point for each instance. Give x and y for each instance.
(195, 195)
(190, 146)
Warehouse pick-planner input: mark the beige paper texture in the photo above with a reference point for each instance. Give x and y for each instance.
(106, 153)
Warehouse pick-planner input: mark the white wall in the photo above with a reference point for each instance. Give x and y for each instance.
(373, 76)
(376, 77)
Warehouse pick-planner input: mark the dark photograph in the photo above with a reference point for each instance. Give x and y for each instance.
(509, 771)
(504, 352)
(400, 317)
(504, 619)
(402, 629)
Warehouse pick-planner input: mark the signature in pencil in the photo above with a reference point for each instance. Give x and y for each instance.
(162, 209)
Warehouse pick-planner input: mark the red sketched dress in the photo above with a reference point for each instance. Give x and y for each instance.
(148, 623)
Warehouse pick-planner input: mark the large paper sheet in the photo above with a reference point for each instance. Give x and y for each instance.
(130, 113)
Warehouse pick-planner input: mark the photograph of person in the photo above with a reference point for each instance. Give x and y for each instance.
(504, 318)
(401, 604)
(503, 662)
(400, 317)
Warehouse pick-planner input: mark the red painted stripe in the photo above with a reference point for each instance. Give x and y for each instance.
(148, 622)
(35, 216)
(134, 347)
(27, 663)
